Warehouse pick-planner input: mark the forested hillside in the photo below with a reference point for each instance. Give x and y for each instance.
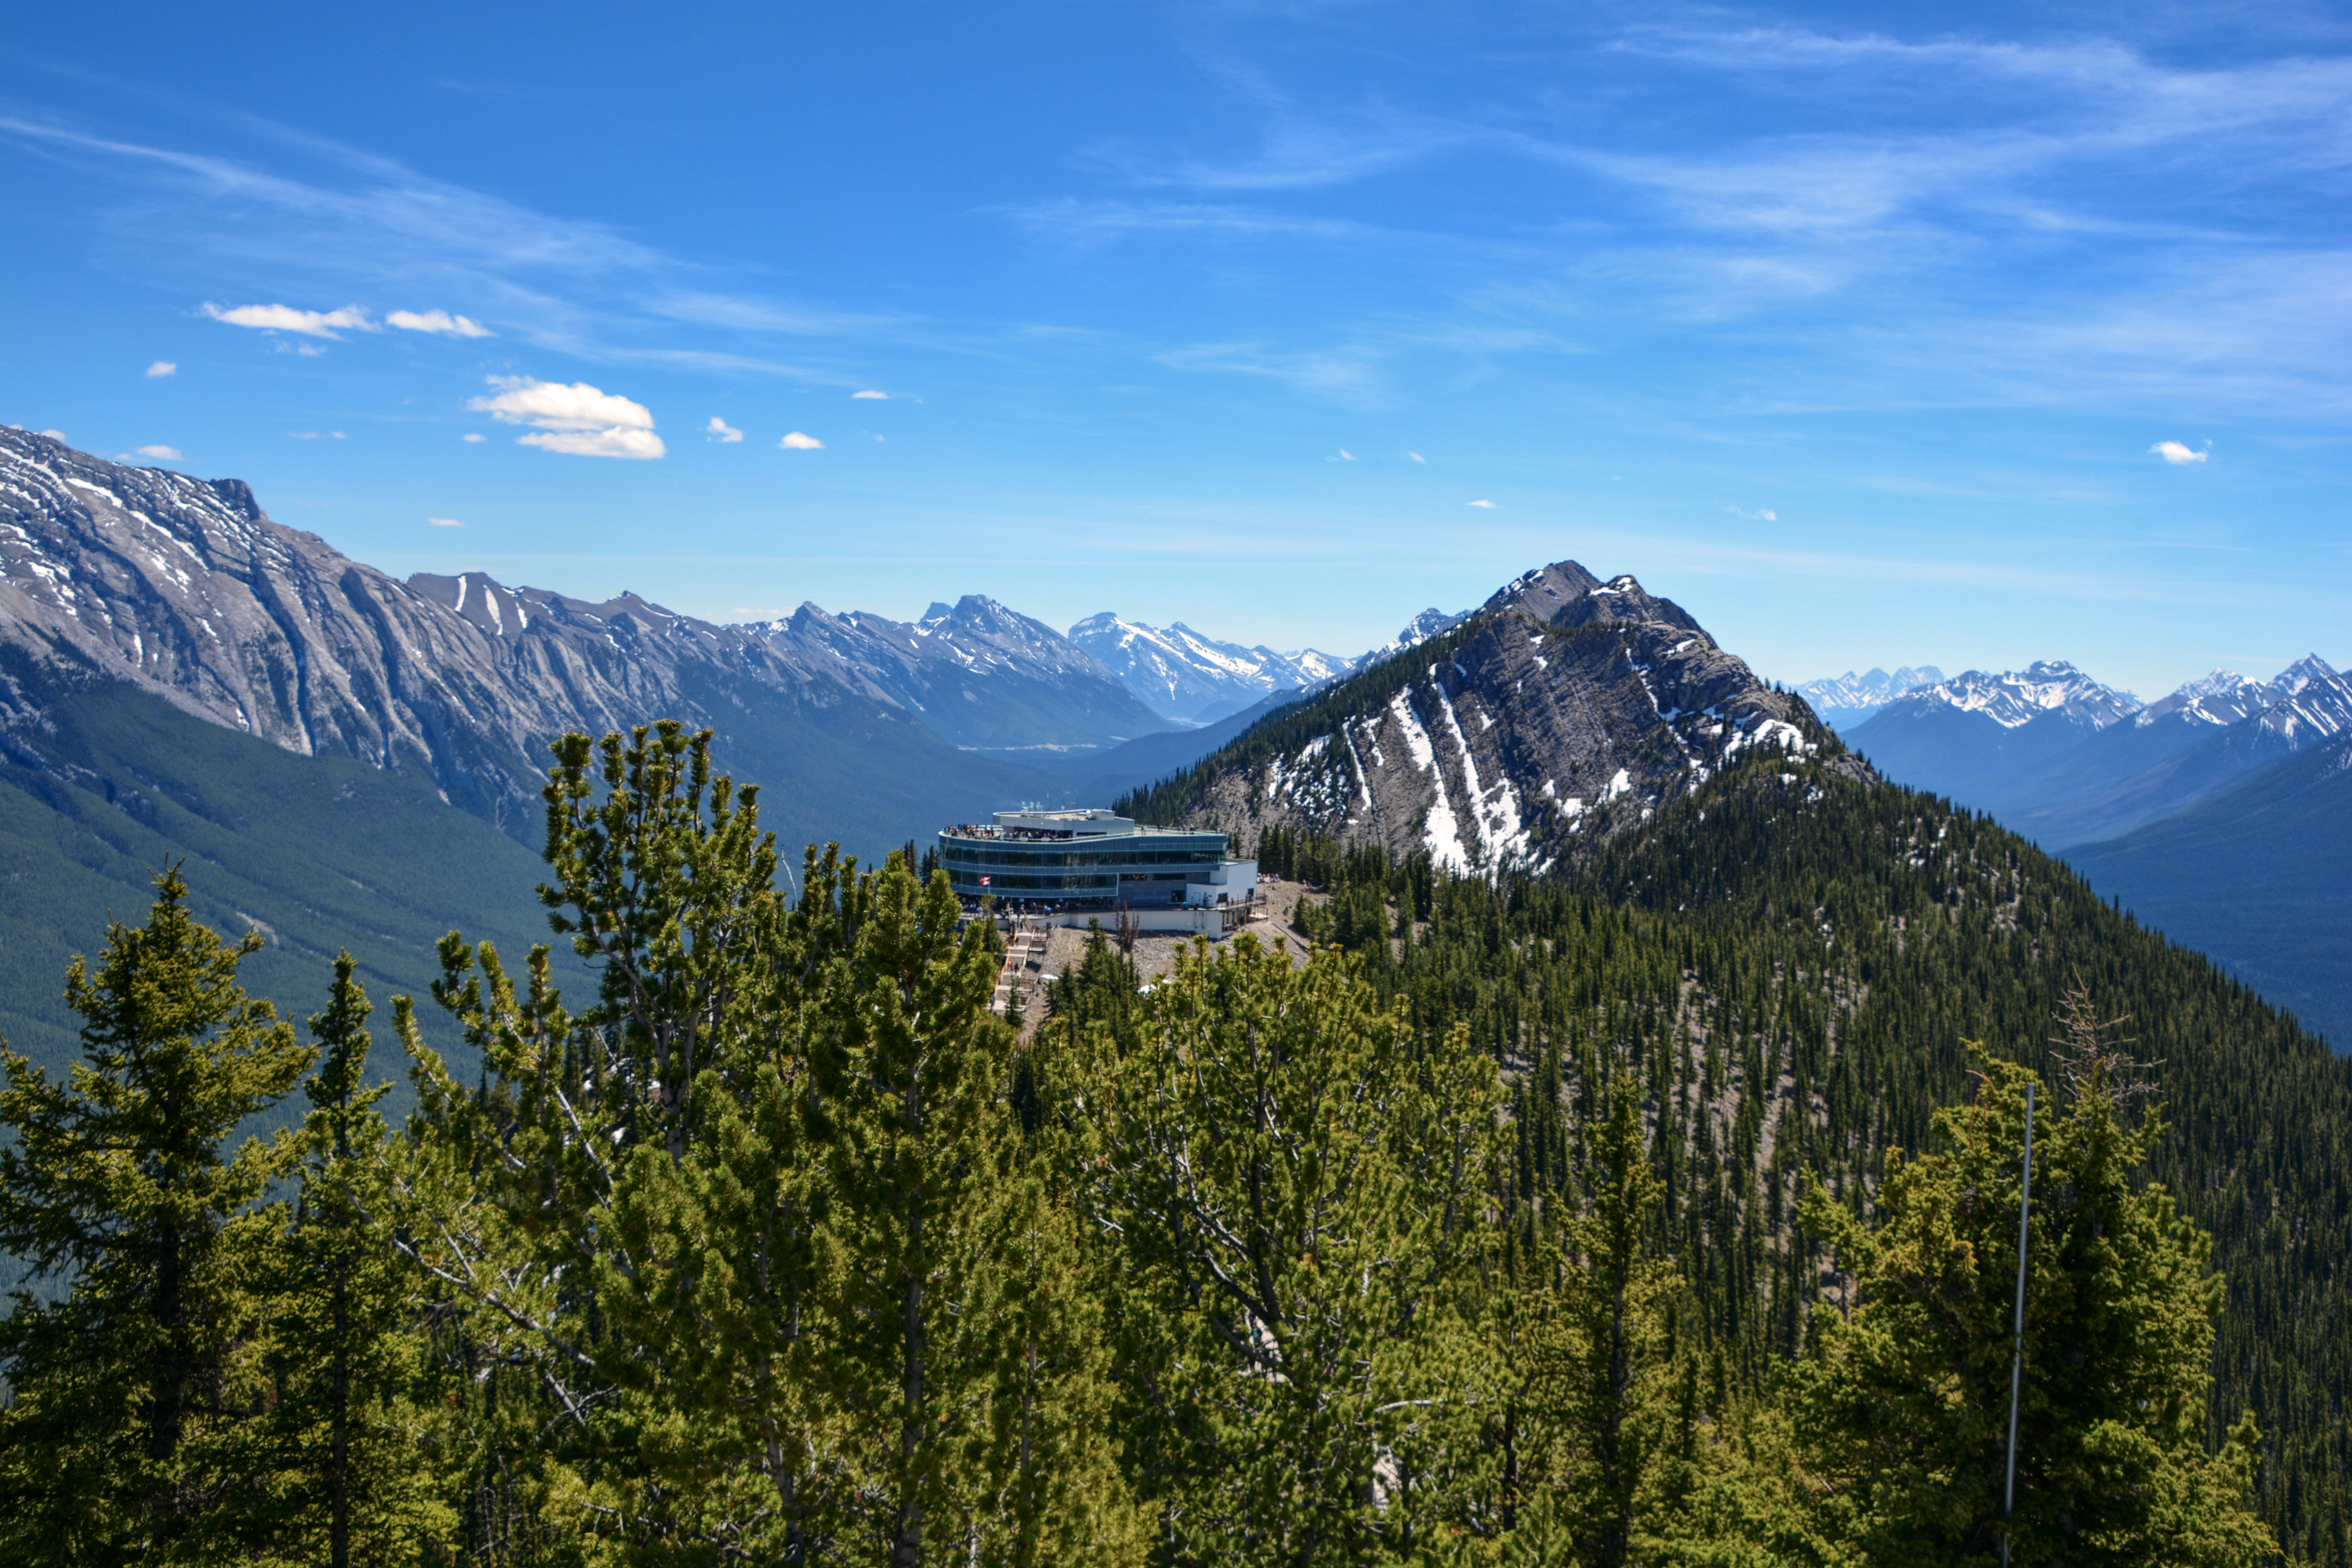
(1533, 1220)
(1794, 963)
(104, 785)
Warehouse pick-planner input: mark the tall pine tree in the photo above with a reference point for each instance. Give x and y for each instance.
(128, 1435)
(348, 1436)
(1904, 1414)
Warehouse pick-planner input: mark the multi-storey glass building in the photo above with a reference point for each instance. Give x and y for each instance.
(1080, 860)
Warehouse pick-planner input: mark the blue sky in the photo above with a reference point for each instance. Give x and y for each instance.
(1862, 337)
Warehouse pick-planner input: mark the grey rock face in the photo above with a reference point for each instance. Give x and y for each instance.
(1576, 708)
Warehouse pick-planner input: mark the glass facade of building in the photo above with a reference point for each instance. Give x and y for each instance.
(1080, 860)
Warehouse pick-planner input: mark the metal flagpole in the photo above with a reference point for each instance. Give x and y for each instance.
(2016, 1329)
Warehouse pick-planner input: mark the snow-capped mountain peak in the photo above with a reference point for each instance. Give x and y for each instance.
(1849, 699)
(2015, 698)
(1187, 674)
(1432, 622)
(2308, 699)
(2224, 697)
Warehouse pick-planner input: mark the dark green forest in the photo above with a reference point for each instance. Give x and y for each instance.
(1662, 1211)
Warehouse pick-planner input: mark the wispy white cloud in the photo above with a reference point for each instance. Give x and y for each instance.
(55, 435)
(1488, 505)
(578, 419)
(314, 434)
(160, 368)
(1416, 457)
(286, 319)
(157, 451)
(1350, 375)
(1765, 515)
(722, 431)
(442, 523)
(796, 441)
(440, 323)
(372, 222)
(869, 391)
(473, 438)
(1097, 221)
(1342, 456)
(2175, 452)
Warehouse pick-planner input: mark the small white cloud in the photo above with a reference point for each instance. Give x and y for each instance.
(581, 420)
(719, 430)
(303, 434)
(334, 434)
(162, 367)
(2174, 452)
(444, 522)
(440, 323)
(1416, 457)
(552, 405)
(473, 438)
(1490, 506)
(616, 442)
(55, 435)
(160, 452)
(1346, 456)
(797, 442)
(869, 391)
(881, 437)
(1767, 515)
(286, 319)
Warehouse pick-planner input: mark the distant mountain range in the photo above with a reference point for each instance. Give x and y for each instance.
(1848, 699)
(2067, 761)
(1197, 679)
(1192, 679)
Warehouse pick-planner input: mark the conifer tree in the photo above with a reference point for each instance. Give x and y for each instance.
(346, 1434)
(1595, 1365)
(911, 1069)
(623, 1209)
(1903, 1416)
(128, 1432)
(1300, 1186)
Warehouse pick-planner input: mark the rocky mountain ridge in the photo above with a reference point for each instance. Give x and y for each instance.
(1851, 699)
(187, 590)
(1565, 706)
(1185, 674)
(2013, 699)
(2067, 761)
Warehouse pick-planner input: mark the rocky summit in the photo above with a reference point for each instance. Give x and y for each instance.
(1565, 706)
